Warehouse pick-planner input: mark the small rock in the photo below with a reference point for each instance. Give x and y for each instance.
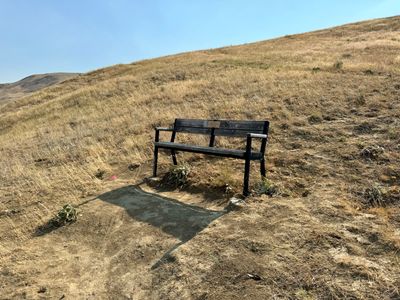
(228, 189)
(235, 204)
(153, 180)
(42, 289)
(253, 276)
(9, 212)
(363, 240)
(133, 166)
(369, 216)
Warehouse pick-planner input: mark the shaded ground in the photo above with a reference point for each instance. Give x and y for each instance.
(126, 230)
(183, 221)
(175, 218)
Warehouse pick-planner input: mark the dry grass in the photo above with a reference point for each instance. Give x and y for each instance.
(328, 94)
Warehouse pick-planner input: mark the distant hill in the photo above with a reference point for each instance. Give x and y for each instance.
(33, 83)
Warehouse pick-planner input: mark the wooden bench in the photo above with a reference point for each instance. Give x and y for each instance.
(228, 128)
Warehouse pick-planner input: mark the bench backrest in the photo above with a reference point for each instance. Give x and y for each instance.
(221, 127)
(213, 128)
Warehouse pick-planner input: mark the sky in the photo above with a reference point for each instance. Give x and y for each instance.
(42, 36)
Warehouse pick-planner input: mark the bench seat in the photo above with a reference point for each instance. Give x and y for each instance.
(208, 150)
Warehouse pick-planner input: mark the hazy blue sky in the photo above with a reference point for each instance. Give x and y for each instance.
(81, 35)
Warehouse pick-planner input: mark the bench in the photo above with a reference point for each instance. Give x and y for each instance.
(228, 128)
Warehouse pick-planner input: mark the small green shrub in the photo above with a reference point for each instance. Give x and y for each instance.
(100, 174)
(265, 187)
(177, 176)
(180, 76)
(364, 128)
(377, 196)
(372, 152)
(314, 119)
(65, 215)
(338, 65)
(393, 134)
(360, 100)
(373, 196)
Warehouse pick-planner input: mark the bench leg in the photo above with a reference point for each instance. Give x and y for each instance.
(173, 154)
(155, 161)
(262, 168)
(246, 177)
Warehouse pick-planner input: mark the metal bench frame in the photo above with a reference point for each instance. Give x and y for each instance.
(213, 128)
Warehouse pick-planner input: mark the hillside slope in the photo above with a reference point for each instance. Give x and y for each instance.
(333, 230)
(12, 91)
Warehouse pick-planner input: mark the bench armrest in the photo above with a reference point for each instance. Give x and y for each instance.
(158, 129)
(257, 135)
(164, 129)
(250, 136)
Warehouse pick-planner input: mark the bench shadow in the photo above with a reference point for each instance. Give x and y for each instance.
(183, 221)
(213, 195)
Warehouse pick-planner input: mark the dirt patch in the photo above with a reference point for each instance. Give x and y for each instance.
(125, 231)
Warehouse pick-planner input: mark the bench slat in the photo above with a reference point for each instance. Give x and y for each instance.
(222, 127)
(208, 150)
(199, 130)
(225, 124)
(235, 132)
(218, 132)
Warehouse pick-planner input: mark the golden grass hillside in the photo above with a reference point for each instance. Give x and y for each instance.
(333, 98)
